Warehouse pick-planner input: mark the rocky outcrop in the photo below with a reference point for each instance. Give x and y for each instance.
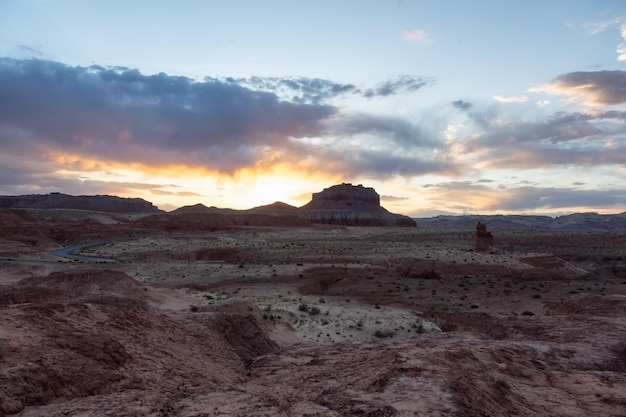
(484, 239)
(347, 193)
(104, 203)
(351, 205)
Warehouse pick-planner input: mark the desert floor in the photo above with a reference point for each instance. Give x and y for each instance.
(318, 321)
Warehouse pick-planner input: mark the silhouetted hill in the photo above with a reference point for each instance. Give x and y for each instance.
(202, 209)
(572, 222)
(103, 203)
(275, 208)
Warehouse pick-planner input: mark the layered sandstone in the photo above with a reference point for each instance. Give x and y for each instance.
(351, 205)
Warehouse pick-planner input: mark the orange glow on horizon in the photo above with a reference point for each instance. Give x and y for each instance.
(177, 185)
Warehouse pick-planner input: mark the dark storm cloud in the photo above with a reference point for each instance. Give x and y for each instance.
(591, 88)
(121, 113)
(118, 115)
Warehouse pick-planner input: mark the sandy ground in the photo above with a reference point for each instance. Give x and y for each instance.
(317, 321)
(267, 267)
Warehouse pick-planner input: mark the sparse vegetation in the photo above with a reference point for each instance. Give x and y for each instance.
(501, 384)
(381, 334)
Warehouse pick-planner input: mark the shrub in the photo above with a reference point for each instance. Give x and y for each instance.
(303, 307)
(502, 385)
(527, 313)
(383, 333)
(314, 311)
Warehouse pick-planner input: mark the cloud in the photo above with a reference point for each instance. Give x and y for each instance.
(34, 51)
(396, 131)
(599, 27)
(512, 99)
(581, 138)
(596, 88)
(391, 198)
(418, 36)
(297, 89)
(159, 191)
(462, 105)
(404, 84)
(617, 22)
(316, 90)
(525, 198)
(85, 118)
(621, 48)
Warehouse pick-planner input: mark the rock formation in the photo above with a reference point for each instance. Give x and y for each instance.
(349, 194)
(351, 205)
(484, 239)
(104, 203)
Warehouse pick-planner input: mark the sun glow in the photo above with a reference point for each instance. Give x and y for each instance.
(173, 186)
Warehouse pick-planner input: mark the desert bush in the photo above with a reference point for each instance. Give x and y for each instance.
(314, 311)
(383, 333)
(418, 326)
(527, 313)
(303, 307)
(501, 384)
(3, 350)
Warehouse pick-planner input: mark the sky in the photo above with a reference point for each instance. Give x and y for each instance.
(443, 107)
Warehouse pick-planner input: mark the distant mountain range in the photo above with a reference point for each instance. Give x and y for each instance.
(574, 222)
(343, 204)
